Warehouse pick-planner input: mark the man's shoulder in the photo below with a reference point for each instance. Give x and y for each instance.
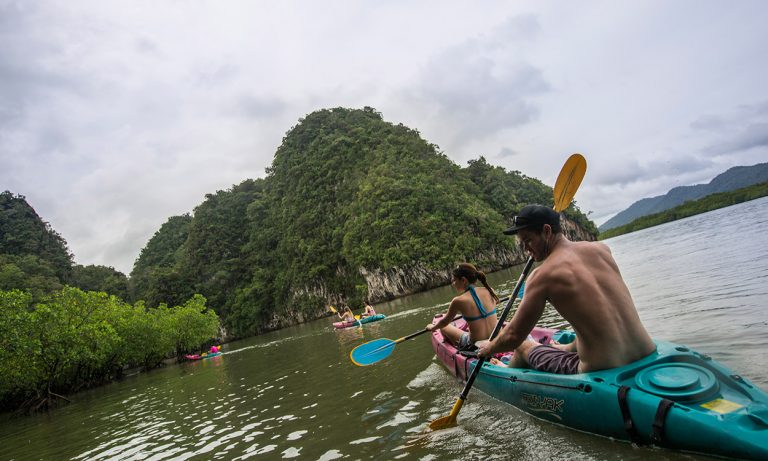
(591, 247)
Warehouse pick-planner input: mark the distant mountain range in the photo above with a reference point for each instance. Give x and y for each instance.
(734, 178)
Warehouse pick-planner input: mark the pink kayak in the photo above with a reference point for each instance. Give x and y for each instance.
(198, 357)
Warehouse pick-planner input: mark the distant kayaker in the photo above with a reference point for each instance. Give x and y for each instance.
(214, 349)
(369, 311)
(347, 315)
(476, 304)
(582, 281)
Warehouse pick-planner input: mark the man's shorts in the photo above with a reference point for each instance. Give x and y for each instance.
(553, 360)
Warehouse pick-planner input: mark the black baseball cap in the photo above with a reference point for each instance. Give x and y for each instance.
(532, 215)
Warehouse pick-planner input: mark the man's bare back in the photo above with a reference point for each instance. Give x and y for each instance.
(582, 281)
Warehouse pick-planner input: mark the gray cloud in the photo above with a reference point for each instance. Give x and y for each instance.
(505, 152)
(479, 86)
(256, 107)
(639, 169)
(743, 129)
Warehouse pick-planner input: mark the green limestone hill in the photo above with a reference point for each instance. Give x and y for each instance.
(34, 257)
(732, 179)
(353, 208)
(24, 233)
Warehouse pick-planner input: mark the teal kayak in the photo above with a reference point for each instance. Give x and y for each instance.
(675, 398)
(369, 319)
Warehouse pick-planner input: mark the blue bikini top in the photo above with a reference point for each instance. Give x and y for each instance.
(479, 304)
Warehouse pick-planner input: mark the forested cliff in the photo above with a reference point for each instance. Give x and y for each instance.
(352, 209)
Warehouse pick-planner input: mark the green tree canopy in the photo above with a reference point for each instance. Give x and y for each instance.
(100, 278)
(23, 232)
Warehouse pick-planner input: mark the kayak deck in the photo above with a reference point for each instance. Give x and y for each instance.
(675, 397)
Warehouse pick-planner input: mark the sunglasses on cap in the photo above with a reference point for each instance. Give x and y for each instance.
(520, 220)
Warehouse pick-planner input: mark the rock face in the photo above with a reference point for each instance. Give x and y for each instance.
(392, 283)
(575, 232)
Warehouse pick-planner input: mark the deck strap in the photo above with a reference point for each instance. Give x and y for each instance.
(455, 364)
(657, 434)
(629, 425)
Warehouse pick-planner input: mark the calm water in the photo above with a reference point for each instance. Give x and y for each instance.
(294, 393)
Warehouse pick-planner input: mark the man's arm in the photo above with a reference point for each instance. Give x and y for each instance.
(525, 318)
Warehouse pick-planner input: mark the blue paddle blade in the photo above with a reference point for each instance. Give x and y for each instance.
(372, 351)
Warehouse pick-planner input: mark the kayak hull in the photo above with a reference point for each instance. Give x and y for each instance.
(356, 323)
(710, 409)
(200, 357)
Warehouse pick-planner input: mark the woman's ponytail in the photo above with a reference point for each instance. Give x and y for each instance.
(481, 277)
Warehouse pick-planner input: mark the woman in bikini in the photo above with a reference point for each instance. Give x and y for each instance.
(347, 316)
(476, 304)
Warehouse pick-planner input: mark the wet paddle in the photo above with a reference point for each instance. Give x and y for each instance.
(379, 349)
(568, 182)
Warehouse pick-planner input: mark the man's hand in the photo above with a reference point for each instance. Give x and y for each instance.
(485, 350)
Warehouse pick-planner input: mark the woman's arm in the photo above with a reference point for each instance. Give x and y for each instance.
(447, 318)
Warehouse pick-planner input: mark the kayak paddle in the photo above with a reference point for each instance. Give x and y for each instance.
(568, 182)
(379, 349)
(332, 309)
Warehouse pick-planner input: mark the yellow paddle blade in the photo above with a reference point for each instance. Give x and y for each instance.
(357, 317)
(447, 421)
(569, 180)
(332, 309)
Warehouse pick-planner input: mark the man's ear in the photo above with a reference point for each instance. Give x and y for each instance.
(546, 228)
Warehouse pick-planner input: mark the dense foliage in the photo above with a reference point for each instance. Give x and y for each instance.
(22, 233)
(346, 191)
(100, 279)
(36, 258)
(693, 207)
(73, 339)
(153, 276)
(65, 326)
(28, 272)
(507, 192)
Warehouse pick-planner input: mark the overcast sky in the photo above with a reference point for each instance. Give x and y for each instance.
(115, 116)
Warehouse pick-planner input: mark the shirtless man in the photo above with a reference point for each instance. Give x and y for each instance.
(582, 281)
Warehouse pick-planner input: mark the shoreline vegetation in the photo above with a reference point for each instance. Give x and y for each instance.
(690, 208)
(72, 340)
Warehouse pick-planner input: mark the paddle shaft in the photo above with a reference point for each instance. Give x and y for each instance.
(421, 332)
(405, 338)
(497, 328)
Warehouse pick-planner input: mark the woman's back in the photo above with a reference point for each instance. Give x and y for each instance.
(481, 321)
